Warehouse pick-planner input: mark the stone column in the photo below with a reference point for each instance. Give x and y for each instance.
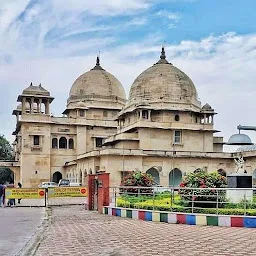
(204, 118)
(40, 105)
(37, 106)
(47, 107)
(149, 115)
(32, 105)
(23, 105)
(140, 114)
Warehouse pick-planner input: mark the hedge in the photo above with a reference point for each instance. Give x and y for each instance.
(165, 205)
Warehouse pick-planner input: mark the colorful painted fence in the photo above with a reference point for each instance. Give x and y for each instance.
(183, 218)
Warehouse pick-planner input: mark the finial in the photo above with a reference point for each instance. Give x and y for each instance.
(98, 67)
(40, 85)
(98, 61)
(163, 56)
(163, 59)
(31, 84)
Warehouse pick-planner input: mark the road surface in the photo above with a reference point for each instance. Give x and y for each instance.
(17, 226)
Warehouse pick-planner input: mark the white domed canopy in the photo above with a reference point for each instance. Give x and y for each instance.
(239, 139)
(164, 86)
(97, 87)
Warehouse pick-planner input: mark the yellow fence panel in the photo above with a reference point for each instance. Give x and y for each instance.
(67, 192)
(25, 193)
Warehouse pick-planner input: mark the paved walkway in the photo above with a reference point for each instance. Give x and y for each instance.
(17, 226)
(74, 231)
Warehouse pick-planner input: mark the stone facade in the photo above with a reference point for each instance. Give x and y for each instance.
(161, 129)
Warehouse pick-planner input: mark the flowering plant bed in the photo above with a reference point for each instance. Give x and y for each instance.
(164, 202)
(137, 179)
(202, 179)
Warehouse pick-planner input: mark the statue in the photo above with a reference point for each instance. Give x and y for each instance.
(239, 164)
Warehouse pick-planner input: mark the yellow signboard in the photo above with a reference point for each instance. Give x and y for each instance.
(25, 193)
(67, 192)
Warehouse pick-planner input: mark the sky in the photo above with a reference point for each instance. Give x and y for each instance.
(52, 42)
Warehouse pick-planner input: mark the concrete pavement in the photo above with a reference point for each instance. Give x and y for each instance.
(17, 227)
(74, 231)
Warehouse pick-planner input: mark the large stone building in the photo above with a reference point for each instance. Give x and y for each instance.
(161, 129)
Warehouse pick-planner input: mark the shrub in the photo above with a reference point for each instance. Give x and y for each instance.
(137, 179)
(203, 197)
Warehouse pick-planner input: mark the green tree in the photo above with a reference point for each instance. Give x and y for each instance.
(6, 150)
(6, 153)
(6, 175)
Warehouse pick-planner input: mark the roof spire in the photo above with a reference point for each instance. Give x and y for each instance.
(97, 66)
(31, 84)
(163, 56)
(98, 60)
(163, 59)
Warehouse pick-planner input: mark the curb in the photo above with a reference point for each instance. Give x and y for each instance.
(30, 248)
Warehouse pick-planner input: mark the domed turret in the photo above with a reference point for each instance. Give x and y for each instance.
(164, 86)
(97, 88)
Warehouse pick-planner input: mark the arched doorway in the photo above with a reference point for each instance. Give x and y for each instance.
(80, 177)
(6, 176)
(175, 177)
(155, 175)
(222, 172)
(57, 176)
(254, 178)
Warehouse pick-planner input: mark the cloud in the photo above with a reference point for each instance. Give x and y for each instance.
(101, 7)
(170, 15)
(137, 21)
(10, 10)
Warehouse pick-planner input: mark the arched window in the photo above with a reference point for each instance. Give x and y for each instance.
(175, 177)
(70, 143)
(155, 175)
(63, 142)
(145, 114)
(54, 143)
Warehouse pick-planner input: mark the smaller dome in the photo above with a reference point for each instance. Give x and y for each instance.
(207, 107)
(36, 90)
(97, 87)
(239, 139)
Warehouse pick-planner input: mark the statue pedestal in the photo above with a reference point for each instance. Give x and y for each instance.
(242, 182)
